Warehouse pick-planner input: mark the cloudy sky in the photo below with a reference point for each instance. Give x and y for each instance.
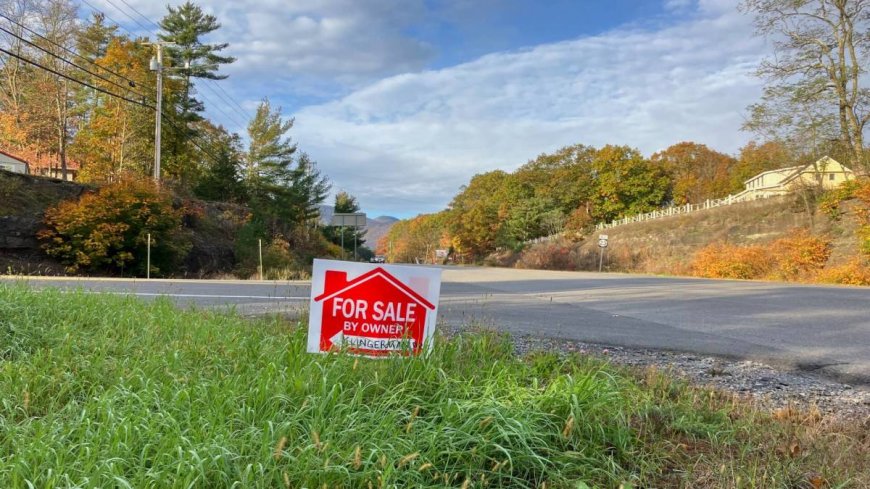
(401, 101)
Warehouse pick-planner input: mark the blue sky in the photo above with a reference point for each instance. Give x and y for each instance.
(402, 101)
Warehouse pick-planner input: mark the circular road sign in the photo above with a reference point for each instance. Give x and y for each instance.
(602, 243)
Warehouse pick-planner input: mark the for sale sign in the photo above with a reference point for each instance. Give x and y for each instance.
(372, 310)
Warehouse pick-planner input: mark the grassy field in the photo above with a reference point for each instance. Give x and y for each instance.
(106, 391)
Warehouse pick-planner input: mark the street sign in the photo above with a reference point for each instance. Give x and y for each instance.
(441, 253)
(602, 243)
(602, 236)
(372, 310)
(351, 219)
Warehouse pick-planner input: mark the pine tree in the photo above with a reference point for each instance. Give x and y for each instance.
(284, 191)
(183, 28)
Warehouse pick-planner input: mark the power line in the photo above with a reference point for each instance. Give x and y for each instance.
(231, 118)
(115, 95)
(241, 110)
(140, 15)
(119, 9)
(95, 9)
(76, 80)
(68, 50)
(229, 99)
(71, 63)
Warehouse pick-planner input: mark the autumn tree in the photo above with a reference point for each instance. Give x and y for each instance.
(14, 75)
(626, 183)
(696, 172)
(415, 240)
(816, 84)
(117, 136)
(476, 212)
(754, 158)
(41, 99)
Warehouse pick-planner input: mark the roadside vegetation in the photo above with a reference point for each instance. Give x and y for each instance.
(102, 391)
(78, 97)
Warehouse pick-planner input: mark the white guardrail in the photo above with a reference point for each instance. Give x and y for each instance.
(745, 196)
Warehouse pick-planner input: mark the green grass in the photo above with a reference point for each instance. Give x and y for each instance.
(106, 391)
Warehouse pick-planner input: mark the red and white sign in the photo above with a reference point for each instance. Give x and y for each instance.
(372, 310)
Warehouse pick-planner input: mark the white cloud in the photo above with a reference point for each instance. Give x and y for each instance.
(406, 143)
(403, 140)
(350, 40)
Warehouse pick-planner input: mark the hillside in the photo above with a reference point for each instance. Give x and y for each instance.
(24, 199)
(667, 245)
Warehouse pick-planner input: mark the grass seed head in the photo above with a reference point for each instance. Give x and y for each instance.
(357, 457)
(425, 466)
(569, 427)
(279, 448)
(408, 458)
(286, 480)
(485, 422)
(466, 484)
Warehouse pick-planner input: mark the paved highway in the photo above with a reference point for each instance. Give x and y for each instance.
(820, 328)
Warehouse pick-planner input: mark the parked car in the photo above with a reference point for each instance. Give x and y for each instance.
(378, 259)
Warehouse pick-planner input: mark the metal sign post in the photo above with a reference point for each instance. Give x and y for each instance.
(355, 220)
(602, 243)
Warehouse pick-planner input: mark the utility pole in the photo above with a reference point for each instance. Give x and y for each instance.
(157, 65)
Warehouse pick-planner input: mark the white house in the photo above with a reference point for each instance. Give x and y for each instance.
(13, 163)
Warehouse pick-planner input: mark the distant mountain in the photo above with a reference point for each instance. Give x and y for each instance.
(375, 228)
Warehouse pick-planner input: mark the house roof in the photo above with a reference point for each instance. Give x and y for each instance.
(38, 160)
(13, 157)
(778, 170)
(378, 272)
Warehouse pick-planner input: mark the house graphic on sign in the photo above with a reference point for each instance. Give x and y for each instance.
(374, 313)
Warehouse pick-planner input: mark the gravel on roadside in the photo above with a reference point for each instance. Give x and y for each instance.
(767, 386)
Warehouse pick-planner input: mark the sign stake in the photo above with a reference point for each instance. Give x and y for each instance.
(148, 261)
(260, 245)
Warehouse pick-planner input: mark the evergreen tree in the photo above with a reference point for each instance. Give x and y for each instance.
(221, 180)
(284, 191)
(183, 27)
(345, 204)
(92, 42)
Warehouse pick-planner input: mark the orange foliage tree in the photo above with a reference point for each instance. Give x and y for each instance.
(697, 172)
(107, 230)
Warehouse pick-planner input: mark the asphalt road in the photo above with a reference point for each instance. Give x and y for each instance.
(820, 328)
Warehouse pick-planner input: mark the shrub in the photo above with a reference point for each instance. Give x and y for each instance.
(799, 254)
(720, 260)
(284, 257)
(107, 230)
(862, 193)
(830, 201)
(856, 272)
(556, 255)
